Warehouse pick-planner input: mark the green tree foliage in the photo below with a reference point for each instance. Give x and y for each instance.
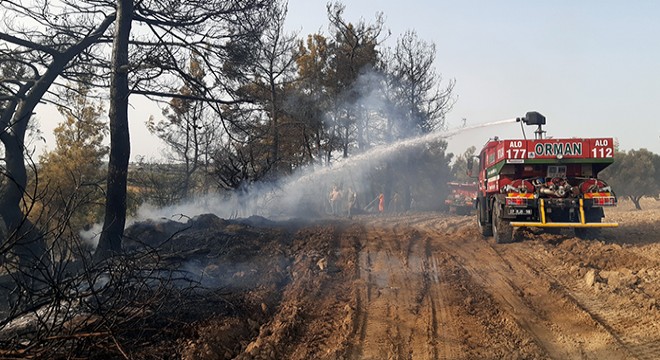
(418, 176)
(274, 72)
(344, 100)
(190, 132)
(311, 99)
(332, 85)
(429, 176)
(258, 143)
(354, 55)
(362, 94)
(459, 169)
(70, 176)
(414, 86)
(634, 174)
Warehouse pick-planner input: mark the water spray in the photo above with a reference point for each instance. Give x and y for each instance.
(284, 198)
(479, 126)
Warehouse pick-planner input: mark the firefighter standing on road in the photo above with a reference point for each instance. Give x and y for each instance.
(351, 198)
(381, 203)
(335, 198)
(395, 203)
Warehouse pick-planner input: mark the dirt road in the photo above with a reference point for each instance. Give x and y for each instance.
(427, 286)
(435, 290)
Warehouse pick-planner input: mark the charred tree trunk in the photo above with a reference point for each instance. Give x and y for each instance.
(16, 175)
(120, 149)
(275, 152)
(23, 238)
(26, 241)
(635, 199)
(345, 144)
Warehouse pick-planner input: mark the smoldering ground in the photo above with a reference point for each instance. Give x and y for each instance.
(205, 240)
(414, 169)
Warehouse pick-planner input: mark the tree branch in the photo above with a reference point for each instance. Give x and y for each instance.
(187, 97)
(28, 44)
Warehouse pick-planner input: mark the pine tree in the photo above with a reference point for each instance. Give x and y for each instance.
(70, 176)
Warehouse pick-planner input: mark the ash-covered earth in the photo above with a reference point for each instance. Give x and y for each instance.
(417, 286)
(411, 286)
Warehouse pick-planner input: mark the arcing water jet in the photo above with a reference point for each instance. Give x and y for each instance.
(284, 199)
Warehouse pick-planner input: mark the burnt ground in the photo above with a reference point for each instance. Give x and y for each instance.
(414, 286)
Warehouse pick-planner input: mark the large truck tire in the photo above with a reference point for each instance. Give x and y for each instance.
(484, 228)
(502, 229)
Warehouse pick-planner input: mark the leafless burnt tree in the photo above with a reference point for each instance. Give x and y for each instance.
(65, 40)
(158, 38)
(40, 58)
(221, 33)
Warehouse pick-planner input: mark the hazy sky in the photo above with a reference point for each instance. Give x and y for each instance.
(591, 67)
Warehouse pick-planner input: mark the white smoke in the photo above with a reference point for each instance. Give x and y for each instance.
(289, 197)
(305, 193)
(91, 236)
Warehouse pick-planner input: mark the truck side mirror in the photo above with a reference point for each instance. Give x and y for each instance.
(470, 163)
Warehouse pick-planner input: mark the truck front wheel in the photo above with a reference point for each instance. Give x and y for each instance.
(502, 229)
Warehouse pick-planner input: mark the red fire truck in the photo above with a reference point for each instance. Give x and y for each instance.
(544, 182)
(461, 197)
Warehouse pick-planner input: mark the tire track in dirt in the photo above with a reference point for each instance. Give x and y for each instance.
(438, 312)
(442, 334)
(619, 315)
(562, 330)
(375, 321)
(637, 334)
(404, 317)
(390, 271)
(475, 327)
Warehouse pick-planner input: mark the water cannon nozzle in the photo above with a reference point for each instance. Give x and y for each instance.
(533, 118)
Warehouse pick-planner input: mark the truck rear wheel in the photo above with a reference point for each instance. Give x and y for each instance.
(485, 228)
(502, 229)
